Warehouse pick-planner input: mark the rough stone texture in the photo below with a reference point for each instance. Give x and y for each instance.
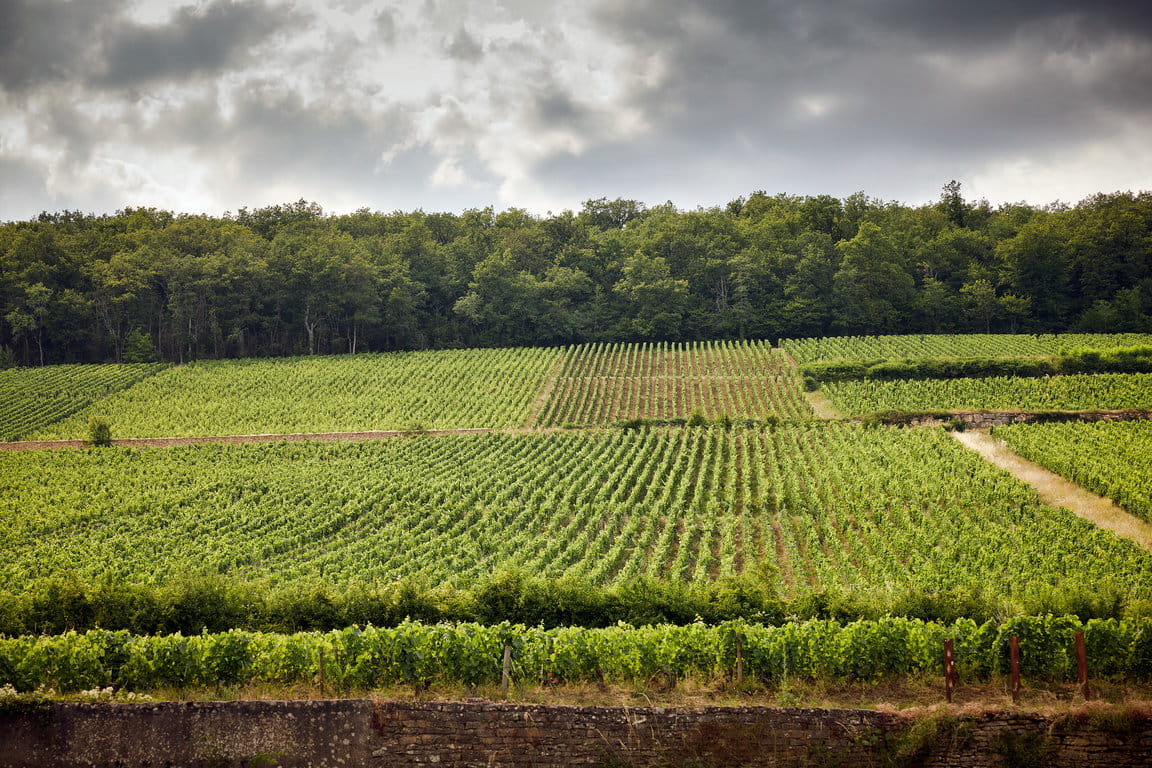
(986, 419)
(390, 734)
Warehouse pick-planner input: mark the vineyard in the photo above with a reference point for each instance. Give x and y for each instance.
(1102, 391)
(32, 398)
(825, 506)
(1111, 459)
(430, 390)
(470, 654)
(601, 384)
(953, 345)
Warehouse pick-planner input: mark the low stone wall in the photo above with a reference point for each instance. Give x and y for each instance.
(987, 419)
(352, 733)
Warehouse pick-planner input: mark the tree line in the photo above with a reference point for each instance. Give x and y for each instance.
(145, 283)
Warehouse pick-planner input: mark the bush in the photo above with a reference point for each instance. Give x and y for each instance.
(99, 433)
(138, 348)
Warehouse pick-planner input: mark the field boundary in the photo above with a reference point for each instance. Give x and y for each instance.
(541, 401)
(1059, 491)
(288, 437)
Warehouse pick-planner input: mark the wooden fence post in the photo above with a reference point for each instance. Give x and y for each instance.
(739, 662)
(949, 668)
(1082, 664)
(506, 672)
(1014, 659)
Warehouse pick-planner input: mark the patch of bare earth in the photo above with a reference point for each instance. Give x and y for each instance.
(545, 394)
(1058, 491)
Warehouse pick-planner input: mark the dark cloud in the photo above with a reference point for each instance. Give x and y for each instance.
(467, 103)
(833, 79)
(195, 41)
(42, 41)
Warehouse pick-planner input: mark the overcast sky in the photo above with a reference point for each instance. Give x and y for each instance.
(447, 104)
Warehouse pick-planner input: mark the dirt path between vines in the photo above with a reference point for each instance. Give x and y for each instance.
(1058, 491)
(545, 393)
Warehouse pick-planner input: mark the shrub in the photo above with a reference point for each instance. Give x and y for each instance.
(99, 433)
(697, 419)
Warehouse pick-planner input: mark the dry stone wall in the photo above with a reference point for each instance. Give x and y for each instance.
(350, 733)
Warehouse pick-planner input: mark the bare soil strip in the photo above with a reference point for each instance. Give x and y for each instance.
(1058, 491)
(545, 393)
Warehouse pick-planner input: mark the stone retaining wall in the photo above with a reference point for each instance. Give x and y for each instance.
(986, 419)
(350, 733)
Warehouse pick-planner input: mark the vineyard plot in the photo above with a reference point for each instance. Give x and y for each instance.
(601, 384)
(1100, 391)
(362, 658)
(33, 398)
(826, 506)
(954, 345)
(406, 390)
(1111, 459)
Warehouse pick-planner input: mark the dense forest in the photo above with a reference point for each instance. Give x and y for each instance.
(288, 279)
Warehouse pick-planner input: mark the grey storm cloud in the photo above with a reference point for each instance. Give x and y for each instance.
(196, 40)
(48, 40)
(431, 103)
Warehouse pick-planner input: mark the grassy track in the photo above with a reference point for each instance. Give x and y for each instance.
(1111, 459)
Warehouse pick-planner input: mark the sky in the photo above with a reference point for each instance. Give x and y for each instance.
(445, 105)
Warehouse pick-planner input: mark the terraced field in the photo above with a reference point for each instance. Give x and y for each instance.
(954, 345)
(431, 390)
(604, 384)
(1101, 391)
(32, 398)
(822, 505)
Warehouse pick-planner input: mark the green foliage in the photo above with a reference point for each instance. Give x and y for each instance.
(662, 383)
(286, 279)
(138, 348)
(1113, 459)
(33, 398)
(1120, 360)
(359, 658)
(99, 432)
(434, 390)
(1104, 391)
(839, 509)
(869, 350)
(937, 732)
